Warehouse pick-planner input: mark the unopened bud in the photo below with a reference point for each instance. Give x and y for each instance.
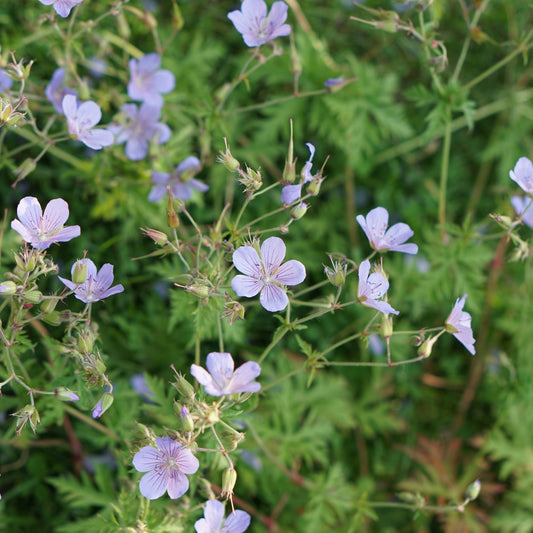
(86, 340)
(79, 274)
(33, 297)
(337, 274)
(184, 387)
(157, 236)
(172, 217)
(386, 326)
(53, 318)
(7, 288)
(104, 403)
(426, 347)
(227, 159)
(298, 211)
(48, 305)
(251, 179)
(472, 491)
(199, 290)
(186, 419)
(66, 395)
(229, 479)
(314, 186)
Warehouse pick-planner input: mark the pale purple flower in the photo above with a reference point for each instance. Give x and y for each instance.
(291, 193)
(376, 345)
(147, 81)
(97, 67)
(523, 175)
(62, 7)
(98, 410)
(166, 466)
(81, 119)
(181, 182)
(372, 287)
(213, 521)
(383, 239)
(139, 385)
(140, 127)
(266, 274)
(459, 324)
(41, 230)
(255, 26)
(220, 378)
(97, 286)
(331, 82)
(523, 205)
(55, 91)
(5, 81)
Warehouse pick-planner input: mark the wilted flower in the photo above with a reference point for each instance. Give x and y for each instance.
(42, 230)
(255, 26)
(5, 81)
(141, 126)
(81, 119)
(291, 193)
(523, 205)
(55, 91)
(266, 274)
(147, 81)
(523, 175)
(459, 324)
(97, 286)
(219, 379)
(166, 466)
(213, 521)
(372, 287)
(383, 240)
(181, 181)
(62, 7)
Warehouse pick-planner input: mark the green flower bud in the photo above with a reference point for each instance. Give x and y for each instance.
(386, 326)
(79, 274)
(49, 305)
(229, 479)
(172, 217)
(227, 159)
(184, 387)
(298, 211)
(472, 491)
(157, 236)
(7, 288)
(66, 395)
(314, 186)
(53, 318)
(33, 297)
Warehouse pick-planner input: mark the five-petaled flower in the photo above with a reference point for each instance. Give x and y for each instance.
(62, 7)
(96, 286)
(41, 230)
(523, 175)
(55, 91)
(147, 81)
(372, 287)
(264, 273)
(166, 467)
(213, 521)
(181, 181)
(291, 193)
(81, 119)
(523, 205)
(255, 26)
(141, 125)
(220, 378)
(383, 240)
(459, 324)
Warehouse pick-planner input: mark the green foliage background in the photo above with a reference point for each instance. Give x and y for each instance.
(336, 451)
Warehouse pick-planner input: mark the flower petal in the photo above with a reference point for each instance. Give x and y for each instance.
(30, 213)
(189, 163)
(154, 484)
(220, 366)
(273, 298)
(177, 484)
(246, 286)
(187, 462)
(291, 193)
(204, 378)
(246, 260)
(290, 273)
(237, 522)
(242, 380)
(55, 215)
(214, 515)
(147, 459)
(272, 254)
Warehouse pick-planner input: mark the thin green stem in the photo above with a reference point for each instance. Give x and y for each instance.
(444, 173)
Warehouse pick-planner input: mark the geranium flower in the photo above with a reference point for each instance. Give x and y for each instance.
(459, 325)
(182, 184)
(266, 274)
(372, 287)
(147, 81)
(42, 230)
(55, 91)
(140, 127)
(383, 240)
(81, 119)
(219, 379)
(97, 285)
(62, 7)
(523, 205)
(166, 466)
(255, 26)
(523, 175)
(213, 521)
